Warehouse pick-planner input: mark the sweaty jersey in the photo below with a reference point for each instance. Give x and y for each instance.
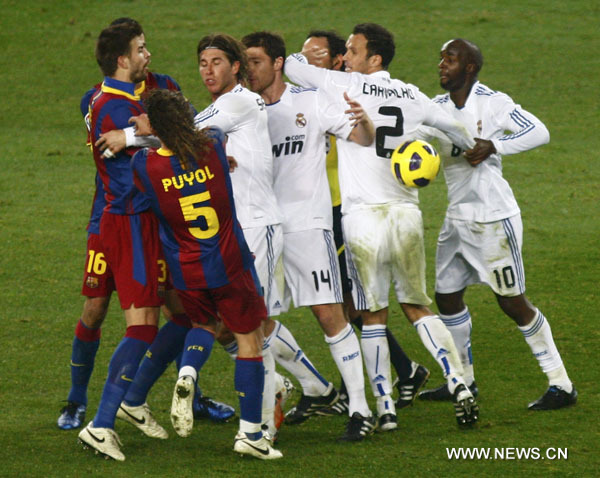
(298, 124)
(202, 240)
(242, 116)
(396, 108)
(480, 193)
(152, 81)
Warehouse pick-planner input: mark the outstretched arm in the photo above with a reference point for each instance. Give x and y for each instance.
(300, 72)
(436, 117)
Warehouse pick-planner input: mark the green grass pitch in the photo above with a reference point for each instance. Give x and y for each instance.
(542, 53)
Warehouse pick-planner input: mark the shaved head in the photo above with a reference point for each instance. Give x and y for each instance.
(467, 51)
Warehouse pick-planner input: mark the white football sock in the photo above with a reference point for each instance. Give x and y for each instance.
(438, 341)
(385, 405)
(290, 356)
(539, 337)
(345, 351)
(188, 370)
(376, 353)
(268, 401)
(249, 427)
(460, 326)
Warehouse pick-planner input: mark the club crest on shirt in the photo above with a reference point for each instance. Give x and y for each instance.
(92, 282)
(300, 120)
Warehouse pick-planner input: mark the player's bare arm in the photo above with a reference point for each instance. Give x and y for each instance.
(480, 152)
(363, 130)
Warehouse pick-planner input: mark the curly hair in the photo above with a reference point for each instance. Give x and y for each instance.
(172, 119)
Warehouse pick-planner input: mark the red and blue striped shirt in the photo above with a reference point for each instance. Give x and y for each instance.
(202, 240)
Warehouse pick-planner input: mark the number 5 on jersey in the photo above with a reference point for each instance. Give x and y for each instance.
(192, 212)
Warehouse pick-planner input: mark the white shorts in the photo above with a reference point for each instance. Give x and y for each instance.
(474, 252)
(310, 264)
(385, 244)
(266, 244)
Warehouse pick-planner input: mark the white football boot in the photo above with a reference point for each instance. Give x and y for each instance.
(142, 418)
(104, 441)
(182, 412)
(260, 448)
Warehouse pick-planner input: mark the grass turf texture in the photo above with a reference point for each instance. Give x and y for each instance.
(543, 54)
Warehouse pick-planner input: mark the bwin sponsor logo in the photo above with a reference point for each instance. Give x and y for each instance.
(292, 145)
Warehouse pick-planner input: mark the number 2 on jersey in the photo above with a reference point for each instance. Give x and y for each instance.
(384, 131)
(192, 213)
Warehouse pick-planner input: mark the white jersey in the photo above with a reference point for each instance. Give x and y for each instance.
(298, 124)
(242, 115)
(480, 193)
(396, 108)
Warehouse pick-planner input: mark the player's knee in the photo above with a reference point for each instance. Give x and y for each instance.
(449, 304)
(94, 311)
(330, 317)
(414, 312)
(172, 304)
(268, 326)
(517, 308)
(224, 336)
(250, 345)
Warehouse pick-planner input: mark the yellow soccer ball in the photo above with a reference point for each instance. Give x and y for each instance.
(415, 163)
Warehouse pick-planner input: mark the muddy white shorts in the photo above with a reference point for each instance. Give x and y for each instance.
(474, 253)
(385, 242)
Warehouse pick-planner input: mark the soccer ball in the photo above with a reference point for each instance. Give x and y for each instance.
(415, 163)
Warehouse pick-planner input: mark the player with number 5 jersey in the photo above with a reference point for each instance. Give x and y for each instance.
(187, 183)
(203, 242)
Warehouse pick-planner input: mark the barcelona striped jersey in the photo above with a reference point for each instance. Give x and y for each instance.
(202, 240)
(103, 109)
